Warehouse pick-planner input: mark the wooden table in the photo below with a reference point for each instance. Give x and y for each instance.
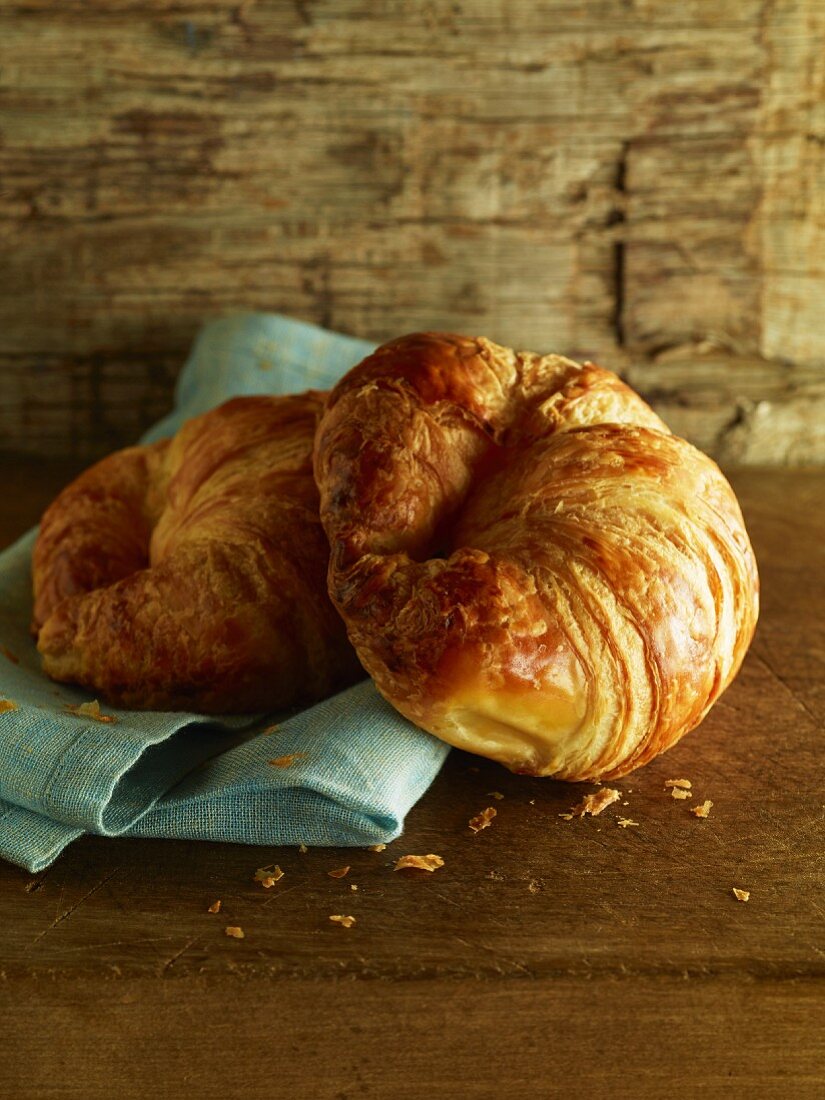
(547, 958)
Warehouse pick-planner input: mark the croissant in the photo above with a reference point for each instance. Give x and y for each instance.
(190, 574)
(530, 565)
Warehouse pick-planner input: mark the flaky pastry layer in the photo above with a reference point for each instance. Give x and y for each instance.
(530, 565)
(190, 574)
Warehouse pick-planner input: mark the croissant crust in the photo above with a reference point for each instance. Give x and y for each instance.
(190, 574)
(530, 565)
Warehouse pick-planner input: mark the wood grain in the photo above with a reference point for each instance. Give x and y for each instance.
(546, 957)
(641, 183)
(514, 1038)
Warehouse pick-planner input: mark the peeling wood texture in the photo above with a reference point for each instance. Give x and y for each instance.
(547, 958)
(638, 181)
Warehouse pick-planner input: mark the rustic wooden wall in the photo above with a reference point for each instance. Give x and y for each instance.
(640, 181)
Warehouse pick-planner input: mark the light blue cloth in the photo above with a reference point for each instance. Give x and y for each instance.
(160, 774)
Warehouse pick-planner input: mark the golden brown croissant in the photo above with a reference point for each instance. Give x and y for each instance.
(529, 564)
(190, 574)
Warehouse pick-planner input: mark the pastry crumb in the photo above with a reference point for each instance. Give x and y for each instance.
(215, 907)
(7, 653)
(678, 792)
(482, 820)
(340, 918)
(593, 804)
(419, 863)
(353, 887)
(302, 848)
(6, 705)
(288, 760)
(234, 931)
(268, 876)
(625, 822)
(270, 730)
(90, 710)
(703, 810)
(567, 817)
(685, 784)
(376, 847)
(494, 876)
(532, 802)
(535, 886)
(497, 795)
(741, 895)
(340, 872)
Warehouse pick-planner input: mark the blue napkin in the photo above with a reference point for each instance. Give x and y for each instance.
(355, 766)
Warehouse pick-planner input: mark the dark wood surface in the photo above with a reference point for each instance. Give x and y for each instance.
(546, 958)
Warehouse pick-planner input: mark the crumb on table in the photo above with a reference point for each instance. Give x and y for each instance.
(482, 820)
(420, 863)
(593, 804)
(268, 876)
(341, 918)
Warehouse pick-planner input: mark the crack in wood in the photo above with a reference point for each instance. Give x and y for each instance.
(817, 721)
(171, 961)
(619, 218)
(73, 908)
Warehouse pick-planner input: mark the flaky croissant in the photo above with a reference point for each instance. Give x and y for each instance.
(191, 574)
(529, 564)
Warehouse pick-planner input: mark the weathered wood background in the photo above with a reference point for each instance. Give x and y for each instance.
(638, 181)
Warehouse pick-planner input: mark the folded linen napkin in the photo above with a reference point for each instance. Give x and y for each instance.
(356, 765)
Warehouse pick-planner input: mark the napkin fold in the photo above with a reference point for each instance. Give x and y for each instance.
(346, 771)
